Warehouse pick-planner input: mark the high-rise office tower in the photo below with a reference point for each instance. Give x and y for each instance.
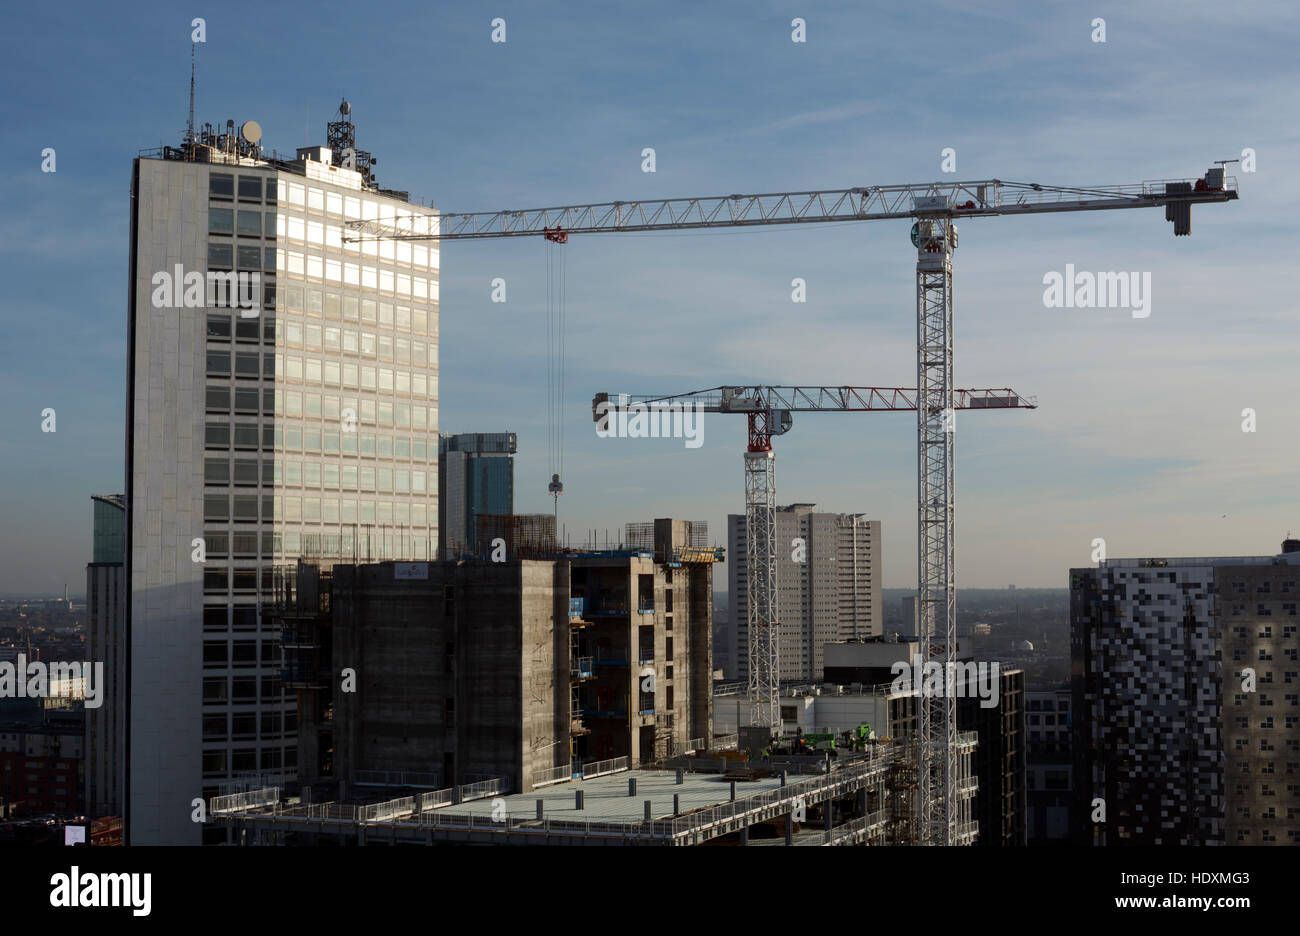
(827, 581)
(294, 414)
(476, 475)
(1186, 698)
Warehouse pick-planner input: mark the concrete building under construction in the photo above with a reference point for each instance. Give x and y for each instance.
(437, 674)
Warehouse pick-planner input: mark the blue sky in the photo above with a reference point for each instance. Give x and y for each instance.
(1138, 439)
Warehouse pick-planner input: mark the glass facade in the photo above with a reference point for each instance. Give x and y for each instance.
(109, 525)
(320, 426)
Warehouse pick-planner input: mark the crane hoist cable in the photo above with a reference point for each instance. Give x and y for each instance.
(556, 332)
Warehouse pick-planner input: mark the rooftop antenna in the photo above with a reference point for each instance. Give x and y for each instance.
(189, 128)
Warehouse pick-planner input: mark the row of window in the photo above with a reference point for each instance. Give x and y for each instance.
(248, 222)
(240, 508)
(352, 274)
(220, 690)
(214, 762)
(317, 303)
(349, 543)
(246, 366)
(238, 652)
(217, 435)
(367, 344)
(355, 376)
(222, 185)
(350, 443)
(333, 237)
(218, 724)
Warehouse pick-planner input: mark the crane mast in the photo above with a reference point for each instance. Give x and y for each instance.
(935, 207)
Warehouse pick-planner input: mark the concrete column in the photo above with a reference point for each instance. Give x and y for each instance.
(677, 804)
(680, 776)
(647, 811)
(744, 836)
(783, 778)
(828, 808)
(733, 791)
(789, 828)
(577, 799)
(631, 786)
(539, 809)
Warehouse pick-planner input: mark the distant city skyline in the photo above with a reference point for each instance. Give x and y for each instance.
(1138, 439)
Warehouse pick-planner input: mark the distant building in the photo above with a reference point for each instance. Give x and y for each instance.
(106, 630)
(828, 586)
(40, 768)
(1050, 765)
(911, 618)
(1000, 760)
(476, 475)
(1168, 729)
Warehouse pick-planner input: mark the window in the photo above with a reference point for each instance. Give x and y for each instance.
(246, 364)
(218, 399)
(246, 435)
(216, 508)
(221, 185)
(250, 188)
(216, 471)
(220, 256)
(217, 435)
(221, 221)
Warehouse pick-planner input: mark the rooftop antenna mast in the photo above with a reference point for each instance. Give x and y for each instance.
(189, 127)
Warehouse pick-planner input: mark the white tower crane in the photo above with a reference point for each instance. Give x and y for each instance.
(934, 207)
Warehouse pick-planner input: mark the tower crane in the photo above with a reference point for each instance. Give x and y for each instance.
(770, 411)
(934, 208)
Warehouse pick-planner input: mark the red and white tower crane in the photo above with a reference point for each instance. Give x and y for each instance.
(770, 411)
(935, 208)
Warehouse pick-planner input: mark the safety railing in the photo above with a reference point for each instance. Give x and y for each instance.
(481, 789)
(582, 667)
(728, 742)
(435, 799)
(239, 802)
(603, 767)
(551, 775)
(384, 812)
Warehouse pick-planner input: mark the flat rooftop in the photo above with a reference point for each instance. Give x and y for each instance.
(605, 798)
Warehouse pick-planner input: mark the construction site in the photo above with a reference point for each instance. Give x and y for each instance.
(713, 797)
(518, 669)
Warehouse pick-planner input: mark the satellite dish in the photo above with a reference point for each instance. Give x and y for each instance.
(251, 131)
(345, 108)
